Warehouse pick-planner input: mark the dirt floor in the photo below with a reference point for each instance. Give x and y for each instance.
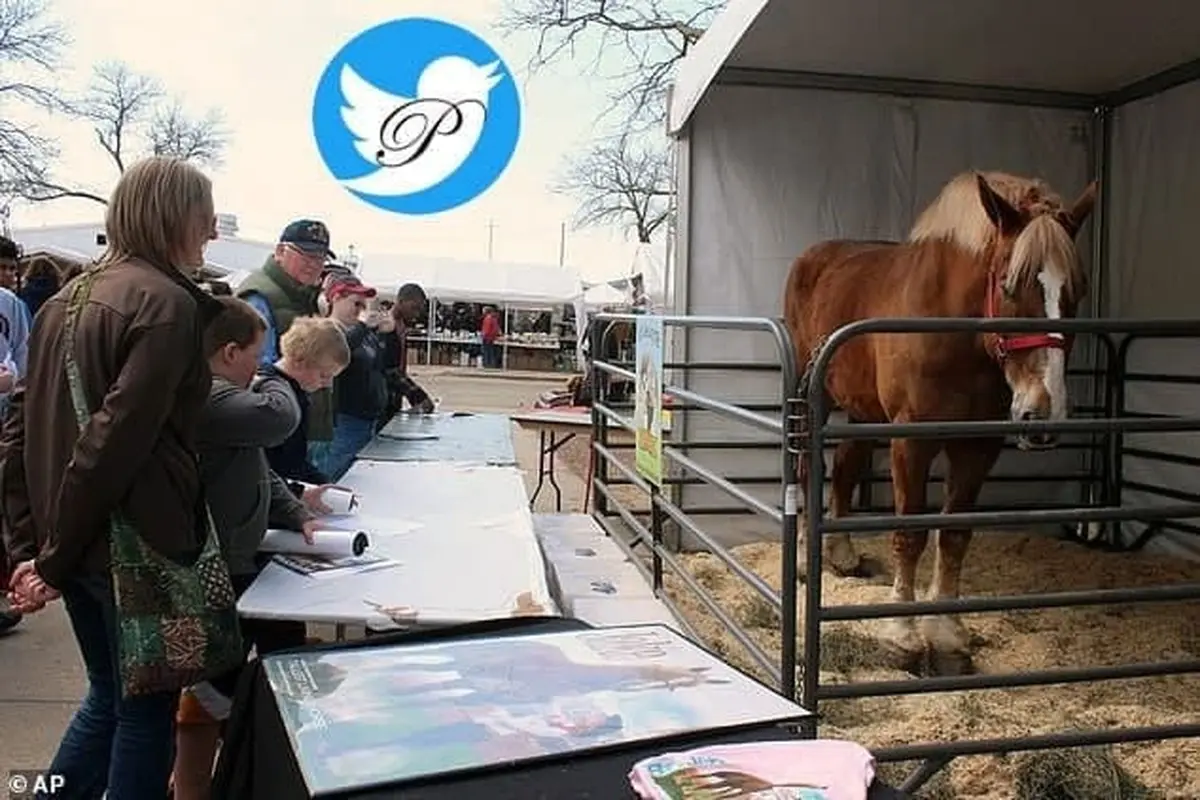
(999, 563)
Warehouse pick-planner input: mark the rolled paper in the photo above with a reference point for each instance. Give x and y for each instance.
(340, 501)
(330, 543)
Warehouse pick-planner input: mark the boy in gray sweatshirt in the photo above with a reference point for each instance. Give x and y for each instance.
(246, 498)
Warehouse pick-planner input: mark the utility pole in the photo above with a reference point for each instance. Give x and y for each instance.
(562, 244)
(491, 237)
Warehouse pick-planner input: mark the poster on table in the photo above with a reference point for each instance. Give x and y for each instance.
(648, 410)
(377, 716)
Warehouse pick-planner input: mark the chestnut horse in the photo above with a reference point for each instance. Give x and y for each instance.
(990, 245)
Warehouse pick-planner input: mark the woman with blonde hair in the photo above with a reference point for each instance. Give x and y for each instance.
(101, 490)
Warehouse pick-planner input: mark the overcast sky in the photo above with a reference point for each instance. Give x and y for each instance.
(259, 62)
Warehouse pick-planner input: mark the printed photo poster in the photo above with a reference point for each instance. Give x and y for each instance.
(381, 716)
(648, 410)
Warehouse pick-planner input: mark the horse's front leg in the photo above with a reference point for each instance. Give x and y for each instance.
(968, 462)
(851, 460)
(911, 461)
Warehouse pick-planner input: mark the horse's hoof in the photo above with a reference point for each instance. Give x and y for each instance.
(948, 644)
(947, 663)
(859, 567)
(904, 647)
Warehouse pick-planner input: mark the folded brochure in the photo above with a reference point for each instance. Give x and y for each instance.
(316, 566)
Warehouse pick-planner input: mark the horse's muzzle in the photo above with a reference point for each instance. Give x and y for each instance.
(1035, 441)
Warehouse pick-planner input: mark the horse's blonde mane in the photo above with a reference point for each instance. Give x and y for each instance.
(957, 215)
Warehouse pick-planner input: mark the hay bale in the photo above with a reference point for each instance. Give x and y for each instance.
(1081, 774)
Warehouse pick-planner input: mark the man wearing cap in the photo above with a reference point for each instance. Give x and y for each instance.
(360, 391)
(285, 288)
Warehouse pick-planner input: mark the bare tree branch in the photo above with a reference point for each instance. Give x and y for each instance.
(30, 47)
(621, 183)
(632, 46)
(199, 139)
(118, 101)
(130, 116)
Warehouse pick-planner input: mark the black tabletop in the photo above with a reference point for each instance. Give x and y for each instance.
(257, 760)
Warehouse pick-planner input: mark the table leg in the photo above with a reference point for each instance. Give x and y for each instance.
(550, 472)
(549, 443)
(591, 473)
(339, 632)
(542, 450)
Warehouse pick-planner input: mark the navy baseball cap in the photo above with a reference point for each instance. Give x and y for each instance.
(309, 235)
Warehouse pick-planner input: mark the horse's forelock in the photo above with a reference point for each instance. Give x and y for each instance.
(1044, 244)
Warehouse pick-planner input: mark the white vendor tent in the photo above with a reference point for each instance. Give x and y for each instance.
(603, 294)
(449, 281)
(804, 120)
(649, 265)
(229, 256)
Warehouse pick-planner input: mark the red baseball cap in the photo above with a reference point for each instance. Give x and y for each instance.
(344, 285)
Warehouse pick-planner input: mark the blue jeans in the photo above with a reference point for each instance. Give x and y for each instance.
(123, 745)
(350, 434)
(493, 355)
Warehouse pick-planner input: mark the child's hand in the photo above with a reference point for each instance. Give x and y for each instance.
(313, 498)
(309, 530)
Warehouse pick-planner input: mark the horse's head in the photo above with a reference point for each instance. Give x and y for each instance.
(1034, 272)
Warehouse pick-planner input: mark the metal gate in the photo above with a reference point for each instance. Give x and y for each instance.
(1107, 511)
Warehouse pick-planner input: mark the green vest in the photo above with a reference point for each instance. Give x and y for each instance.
(289, 299)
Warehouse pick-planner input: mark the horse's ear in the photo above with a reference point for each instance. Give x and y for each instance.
(1073, 219)
(1006, 218)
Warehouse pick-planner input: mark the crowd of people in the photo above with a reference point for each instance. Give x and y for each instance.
(148, 414)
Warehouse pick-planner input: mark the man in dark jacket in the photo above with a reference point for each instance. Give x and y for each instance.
(411, 304)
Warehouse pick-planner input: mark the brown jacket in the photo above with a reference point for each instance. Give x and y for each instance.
(138, 347)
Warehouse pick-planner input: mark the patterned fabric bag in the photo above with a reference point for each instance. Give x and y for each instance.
(176, 625)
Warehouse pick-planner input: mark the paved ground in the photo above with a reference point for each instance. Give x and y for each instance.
(42, 677)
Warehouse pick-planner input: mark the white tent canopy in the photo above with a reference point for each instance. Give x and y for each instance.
(648, 264)
(232, 257)
(1087, 48)
(604, 294)
(479, 281)
(445, 279)
(804, 120)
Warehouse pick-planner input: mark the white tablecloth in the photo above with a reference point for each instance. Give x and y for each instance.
(463, 537)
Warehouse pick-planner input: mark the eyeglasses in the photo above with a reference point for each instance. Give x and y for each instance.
(316, 258)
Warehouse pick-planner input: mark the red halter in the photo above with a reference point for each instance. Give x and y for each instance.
(1004, 344)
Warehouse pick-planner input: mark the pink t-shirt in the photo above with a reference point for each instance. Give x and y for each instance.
(822, 769)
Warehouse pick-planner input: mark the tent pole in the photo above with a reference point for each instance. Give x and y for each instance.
(507, 334)
(430, 327)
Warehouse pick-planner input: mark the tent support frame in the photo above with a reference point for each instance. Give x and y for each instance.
(867, 84)
(1102, 108)
(1158, 83)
